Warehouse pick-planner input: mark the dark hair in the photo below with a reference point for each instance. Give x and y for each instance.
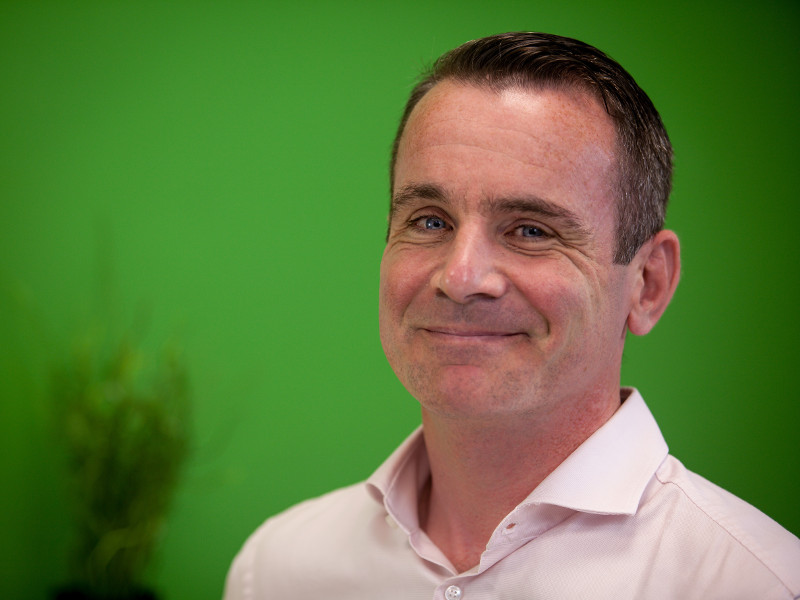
(545, 61)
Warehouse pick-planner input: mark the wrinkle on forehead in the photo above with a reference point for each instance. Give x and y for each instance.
(503, 131)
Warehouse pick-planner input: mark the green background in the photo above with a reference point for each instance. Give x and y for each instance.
(228, 161)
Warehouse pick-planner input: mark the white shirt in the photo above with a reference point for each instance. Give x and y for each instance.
(619, 518)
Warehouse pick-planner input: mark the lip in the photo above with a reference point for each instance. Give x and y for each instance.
(469, 333)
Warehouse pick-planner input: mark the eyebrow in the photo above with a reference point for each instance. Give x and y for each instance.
(417, 191)
(539, 206)
(521, 204)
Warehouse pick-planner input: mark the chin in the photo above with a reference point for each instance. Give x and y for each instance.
(467, 392)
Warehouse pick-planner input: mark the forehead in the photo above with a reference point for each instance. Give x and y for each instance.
(556, 144)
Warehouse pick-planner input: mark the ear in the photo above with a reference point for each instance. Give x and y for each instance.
(658, 268)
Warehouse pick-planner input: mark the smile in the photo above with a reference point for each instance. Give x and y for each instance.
(478, 335)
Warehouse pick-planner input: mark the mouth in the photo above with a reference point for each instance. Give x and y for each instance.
(477, 334)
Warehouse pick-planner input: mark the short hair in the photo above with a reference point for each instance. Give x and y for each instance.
(545, 61)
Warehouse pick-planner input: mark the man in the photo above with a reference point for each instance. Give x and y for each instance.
(530, 177)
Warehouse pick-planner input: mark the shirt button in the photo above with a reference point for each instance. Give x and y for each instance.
(453, 593)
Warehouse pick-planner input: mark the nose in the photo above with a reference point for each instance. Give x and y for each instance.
(470, 268)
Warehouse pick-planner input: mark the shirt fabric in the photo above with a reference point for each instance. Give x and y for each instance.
(619, 518)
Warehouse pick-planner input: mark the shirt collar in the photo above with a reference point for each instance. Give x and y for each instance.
(397, 482)
(607, 474)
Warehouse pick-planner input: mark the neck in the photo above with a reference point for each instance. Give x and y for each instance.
(481, 469)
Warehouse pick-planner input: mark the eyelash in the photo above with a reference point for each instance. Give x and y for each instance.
(419, 224)
(542, 232)
(416, 222)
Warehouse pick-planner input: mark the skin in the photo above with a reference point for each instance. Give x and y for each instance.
(501, 309)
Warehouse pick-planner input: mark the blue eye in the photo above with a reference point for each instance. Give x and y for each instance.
(434, 223)
(531, 231)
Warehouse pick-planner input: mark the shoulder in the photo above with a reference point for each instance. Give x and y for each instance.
(307, 536)
(324, 519)
(725, 534)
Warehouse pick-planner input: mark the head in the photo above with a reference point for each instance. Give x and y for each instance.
(537, 61)
(505, 290)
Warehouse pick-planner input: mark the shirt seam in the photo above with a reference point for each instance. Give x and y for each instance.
(730, 534)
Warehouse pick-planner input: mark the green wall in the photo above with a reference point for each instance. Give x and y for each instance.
(227, 163)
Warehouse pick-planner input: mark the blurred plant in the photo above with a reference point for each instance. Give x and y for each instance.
(125, 427)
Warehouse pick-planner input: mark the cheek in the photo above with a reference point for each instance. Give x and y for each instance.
(555, 295)
(401, 280)
(399, 290)
(387, 320)
(574, 307)
(400, 283)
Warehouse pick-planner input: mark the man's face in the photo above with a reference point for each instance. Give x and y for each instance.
(498, 292)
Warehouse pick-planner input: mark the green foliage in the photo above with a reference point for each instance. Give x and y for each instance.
(125, 427)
